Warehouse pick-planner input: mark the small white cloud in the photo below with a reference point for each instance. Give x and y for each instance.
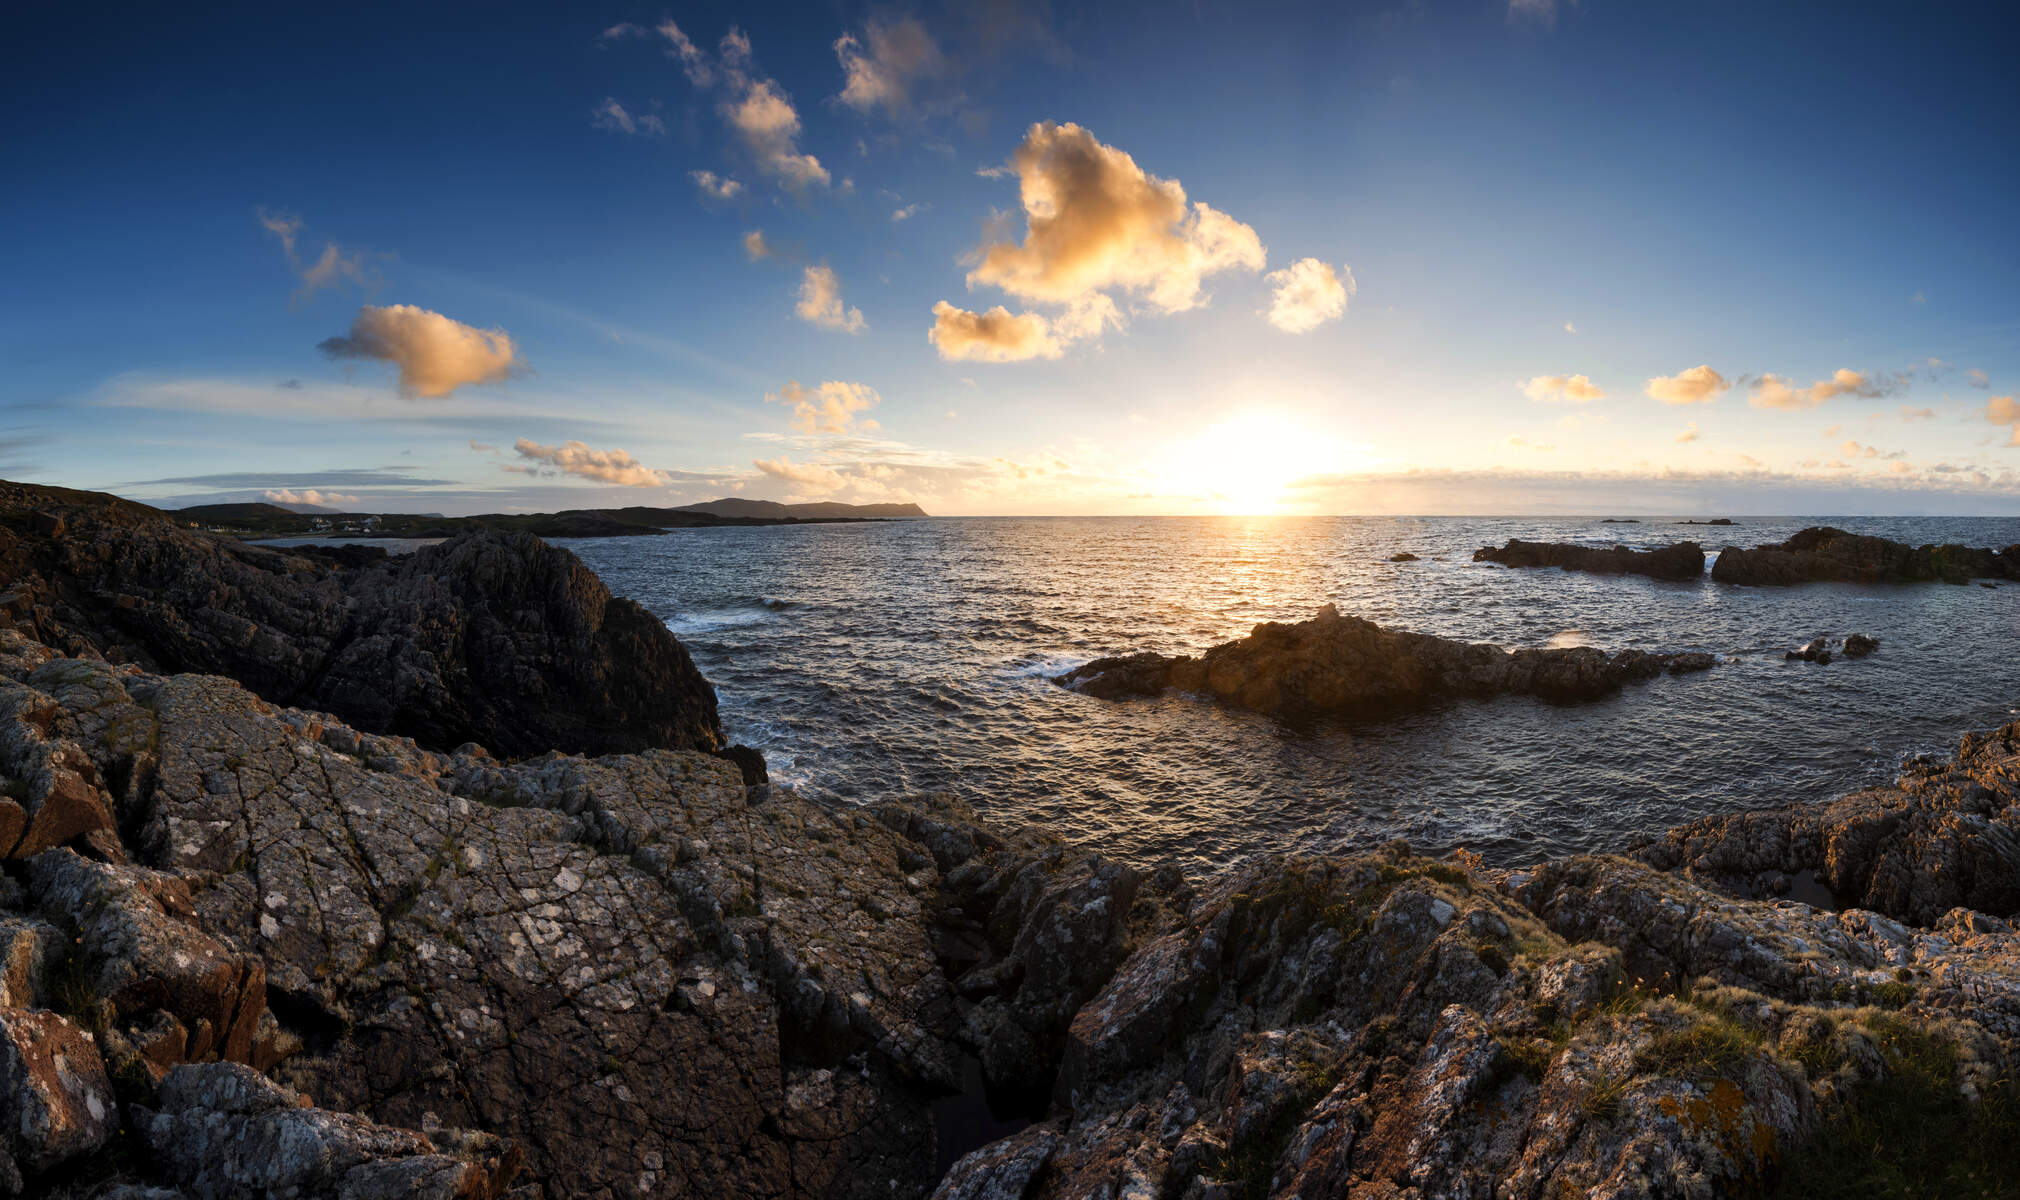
(1570, 328)
(1698, 385)
(830, 408)
(715, 187)
(1562, 389)
(1307, 294)
(615, 118)
(907, 212)
(882, 74)
(821, 302)
(309, 496)
(755, 245)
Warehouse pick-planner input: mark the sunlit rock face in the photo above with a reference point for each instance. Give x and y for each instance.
(1336, 663)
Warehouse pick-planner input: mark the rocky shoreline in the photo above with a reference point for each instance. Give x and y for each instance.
(256, 947)
(1682, 560)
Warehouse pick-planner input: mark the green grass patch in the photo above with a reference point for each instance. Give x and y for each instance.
(1912, 1134)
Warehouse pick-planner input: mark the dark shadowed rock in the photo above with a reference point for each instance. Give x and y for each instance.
(1824, 553)
(491, 637)
(1683, 560)
(1402, 556)
(1335, 663)
(55, 1098)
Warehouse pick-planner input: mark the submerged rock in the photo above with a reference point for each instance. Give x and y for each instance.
(1335, 663)
(1821, 650)
(1402, 556)
(1825, 553)
(1683, 560)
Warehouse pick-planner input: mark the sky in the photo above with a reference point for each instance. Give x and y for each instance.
(1420, 256)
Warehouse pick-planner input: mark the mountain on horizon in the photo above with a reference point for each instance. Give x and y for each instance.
(732, 506)
(250, 511)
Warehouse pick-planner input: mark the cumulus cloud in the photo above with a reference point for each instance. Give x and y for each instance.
(330, 268)
(435, 354)
(1698, 385)
(755, 246)
(1562, 389)
(2004, 410)
(754, 107)
(1001, 336)
(312, 496)
(829, 408)
(575, 458)
(880, 70)
(821, 302)
(715, 187)
(615, 118)
(809, 478)
(1689, 433)
(1773, 391)
(1097, 222)
(770, 128)
(1307, 294)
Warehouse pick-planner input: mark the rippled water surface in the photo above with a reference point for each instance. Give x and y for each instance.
(876, 660)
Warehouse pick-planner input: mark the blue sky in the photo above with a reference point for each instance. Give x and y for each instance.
(1429, 257)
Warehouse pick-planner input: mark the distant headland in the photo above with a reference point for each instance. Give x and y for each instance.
(274, 520)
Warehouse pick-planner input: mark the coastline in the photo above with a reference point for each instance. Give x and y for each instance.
(473, 937)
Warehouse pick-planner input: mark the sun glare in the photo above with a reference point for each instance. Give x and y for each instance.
(1250, 464)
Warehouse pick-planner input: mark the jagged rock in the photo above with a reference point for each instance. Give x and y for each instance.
(489, 637)
(1826, 553)
(1822, 650)
(56, 1103)
(1335, 663)
(223, 1130)
(1945, 835)
(140, 949)
(1683, 560)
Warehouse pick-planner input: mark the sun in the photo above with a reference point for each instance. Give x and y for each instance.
(1247, 464)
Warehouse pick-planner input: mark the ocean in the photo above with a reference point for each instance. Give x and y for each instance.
(877, 661)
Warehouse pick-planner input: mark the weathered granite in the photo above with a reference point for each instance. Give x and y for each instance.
(1335, 663)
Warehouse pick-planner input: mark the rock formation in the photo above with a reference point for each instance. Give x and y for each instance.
(1682, 560)
(494, 638)
(1824, 553)
(1335, 663)
(251, 950)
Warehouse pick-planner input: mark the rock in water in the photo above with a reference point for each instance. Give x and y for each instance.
(1824, 553)
(1823, 650)
(1683, 560)
(1335, 663)
(1402, 556)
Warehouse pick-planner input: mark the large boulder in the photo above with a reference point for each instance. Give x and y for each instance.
(1336, 663)
(56, 1103)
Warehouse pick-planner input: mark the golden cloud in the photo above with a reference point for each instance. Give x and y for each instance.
(829, 408)
(1698, 385)
(1562, 389)
(1097, 222)
(811, 478)
(821, 302)
(1001, 336)
(435, 354)
(1307, 294)
(575, 458)
(881, 75)
(2005, 410)
(1773, 391)
(309, 496)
